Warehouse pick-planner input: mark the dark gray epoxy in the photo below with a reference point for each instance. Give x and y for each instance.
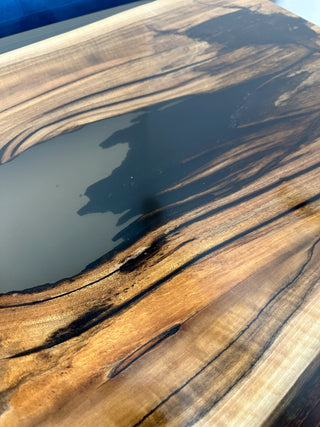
(43, 239)
(67, 202)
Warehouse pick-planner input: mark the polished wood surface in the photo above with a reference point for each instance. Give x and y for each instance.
(209, 314)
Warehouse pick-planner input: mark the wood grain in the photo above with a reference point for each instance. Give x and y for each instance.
(208, 313)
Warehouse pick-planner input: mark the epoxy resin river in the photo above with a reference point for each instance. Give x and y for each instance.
(69, 201)
(43, 238)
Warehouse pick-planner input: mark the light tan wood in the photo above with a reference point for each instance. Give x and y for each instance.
(212, 316)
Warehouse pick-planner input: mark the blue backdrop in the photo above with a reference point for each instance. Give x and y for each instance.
(22, 15)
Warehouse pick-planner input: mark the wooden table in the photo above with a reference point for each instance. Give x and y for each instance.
(208, 312)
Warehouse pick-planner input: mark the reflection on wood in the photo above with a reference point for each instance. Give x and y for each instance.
(301, 407)
(208, 312)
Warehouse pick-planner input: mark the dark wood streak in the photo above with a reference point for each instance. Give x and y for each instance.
(123, 364)
(74, 329)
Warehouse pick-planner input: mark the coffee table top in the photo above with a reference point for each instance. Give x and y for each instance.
(170, 155)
